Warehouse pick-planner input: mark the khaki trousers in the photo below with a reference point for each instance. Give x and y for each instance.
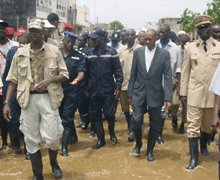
(198, 118)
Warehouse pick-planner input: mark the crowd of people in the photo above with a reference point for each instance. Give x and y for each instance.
(48, 74)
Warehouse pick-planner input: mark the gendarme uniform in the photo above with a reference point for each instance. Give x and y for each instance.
(199, 64)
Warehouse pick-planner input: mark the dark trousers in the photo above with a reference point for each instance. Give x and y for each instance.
(156, 122)
(68, 108)
(105, 104)
(83, 106)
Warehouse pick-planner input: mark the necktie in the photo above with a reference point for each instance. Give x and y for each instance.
(205, 46)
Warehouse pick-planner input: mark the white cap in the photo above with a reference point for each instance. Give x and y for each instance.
(47, 24)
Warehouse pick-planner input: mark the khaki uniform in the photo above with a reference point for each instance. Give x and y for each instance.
(39, 123)
(126, 57)
(197, 72)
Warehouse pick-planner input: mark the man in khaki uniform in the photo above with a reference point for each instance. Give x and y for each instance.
(201, 58)
(126, 57)
(36, 72)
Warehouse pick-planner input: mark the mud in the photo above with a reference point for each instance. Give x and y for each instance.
(114, 162)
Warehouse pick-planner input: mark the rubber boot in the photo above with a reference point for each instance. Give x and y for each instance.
(73, 138)
(150, 146)
(92, 130)
(57, 172)
(100, 134)
(138, 139)
(65, 141)
(160, 139)
(182, 128)
(85, 121)
(26, 153)
(129, 117)
(111, 129)
(193, 149)
(4, 134)
(203, 143)
(15, 141)
(37, 165)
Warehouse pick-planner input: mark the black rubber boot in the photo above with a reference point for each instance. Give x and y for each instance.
(182, 128)
(111, 129)
(193, 149)
(138, 139)
(57, 172)
(65, 141)
(37, 165)
(174, 122)
(15, 141)
(100, 134)
(92, 130)
(26, 153)
(203, 143)
(4, 134)
(73, 138)
(129, 117)
(150, 146)
(85, 121)
(160, 139)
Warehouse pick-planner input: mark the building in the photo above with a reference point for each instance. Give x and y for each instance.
(18, 12)
(173, 22)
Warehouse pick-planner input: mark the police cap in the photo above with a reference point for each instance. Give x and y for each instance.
(70, 35)
(202, 20)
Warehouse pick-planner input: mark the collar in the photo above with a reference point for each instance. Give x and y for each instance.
(210, 42)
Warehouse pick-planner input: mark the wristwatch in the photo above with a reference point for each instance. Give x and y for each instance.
(6, 102)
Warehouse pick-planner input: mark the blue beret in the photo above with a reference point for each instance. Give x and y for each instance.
(70, 35)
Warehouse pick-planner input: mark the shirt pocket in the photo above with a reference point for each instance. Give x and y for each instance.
(53, 70)
(22, 70)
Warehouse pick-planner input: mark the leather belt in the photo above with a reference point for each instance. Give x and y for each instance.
(37, 92)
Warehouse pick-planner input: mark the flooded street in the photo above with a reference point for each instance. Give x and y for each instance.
(114, 162)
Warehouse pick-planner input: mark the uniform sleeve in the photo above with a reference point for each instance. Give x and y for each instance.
(13, 71)
(82, 64)
(186, 69)
(117, 70)
(215, 84)
(62, 66)
(133, 74)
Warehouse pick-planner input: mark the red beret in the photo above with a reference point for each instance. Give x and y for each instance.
(68, 26)
(10, 31)
(20, 31)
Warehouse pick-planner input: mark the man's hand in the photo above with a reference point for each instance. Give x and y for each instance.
(7, 112)
(117, 93)
(42, 86)
(74, 82)
(168, 105)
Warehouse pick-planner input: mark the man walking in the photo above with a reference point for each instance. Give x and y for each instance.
(37, 71)
(150, 66)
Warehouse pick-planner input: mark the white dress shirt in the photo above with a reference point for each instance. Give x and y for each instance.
(149, 55)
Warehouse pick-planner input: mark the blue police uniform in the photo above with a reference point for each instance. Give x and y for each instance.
(104, 77)
(75, 63)
(13, 125)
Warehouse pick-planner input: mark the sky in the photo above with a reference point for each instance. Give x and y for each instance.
(136, 14)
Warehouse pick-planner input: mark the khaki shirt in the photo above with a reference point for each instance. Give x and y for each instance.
(57, 37)
(20, 73)
(126, 57)
(197, 72)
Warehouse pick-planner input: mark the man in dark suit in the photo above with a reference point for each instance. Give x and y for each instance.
(149, 87)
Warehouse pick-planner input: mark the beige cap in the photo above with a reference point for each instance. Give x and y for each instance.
(37, 24)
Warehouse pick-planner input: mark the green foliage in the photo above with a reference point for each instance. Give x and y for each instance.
(187, 19)
(214, 10)
(116, 25)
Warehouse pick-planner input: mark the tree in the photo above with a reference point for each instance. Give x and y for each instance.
(116, 25)
(186, 20)
(214, 10)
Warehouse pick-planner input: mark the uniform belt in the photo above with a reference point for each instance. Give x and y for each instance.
(37, 92)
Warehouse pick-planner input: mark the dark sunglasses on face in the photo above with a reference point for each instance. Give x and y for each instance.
(34, 30)
(204, 27)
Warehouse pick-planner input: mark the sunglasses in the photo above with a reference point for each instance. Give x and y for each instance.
(203, 27)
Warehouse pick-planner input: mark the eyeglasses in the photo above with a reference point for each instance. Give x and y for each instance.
(34, 30)
(203, 27)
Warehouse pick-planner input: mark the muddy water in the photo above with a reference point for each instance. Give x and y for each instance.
(114, 162)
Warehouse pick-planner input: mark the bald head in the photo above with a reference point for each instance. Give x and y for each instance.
(216, 31)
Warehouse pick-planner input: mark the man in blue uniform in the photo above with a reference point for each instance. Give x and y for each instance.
(75, 62)
(105, 78)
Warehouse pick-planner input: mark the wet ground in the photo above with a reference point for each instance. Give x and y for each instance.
(114, 162)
